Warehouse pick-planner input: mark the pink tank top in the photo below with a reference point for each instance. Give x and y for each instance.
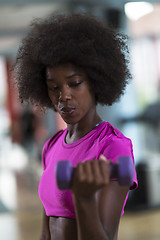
(104, 139)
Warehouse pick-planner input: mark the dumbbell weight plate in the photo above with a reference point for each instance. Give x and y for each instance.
(64, 172)
(125, 170)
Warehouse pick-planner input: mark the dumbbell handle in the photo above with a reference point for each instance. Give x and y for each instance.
(121, 171)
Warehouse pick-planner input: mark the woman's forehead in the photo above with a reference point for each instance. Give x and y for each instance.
(68, 69)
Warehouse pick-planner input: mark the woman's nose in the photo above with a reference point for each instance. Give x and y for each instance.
(65, 94)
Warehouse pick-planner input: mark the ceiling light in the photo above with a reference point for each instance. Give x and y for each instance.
(136, 10)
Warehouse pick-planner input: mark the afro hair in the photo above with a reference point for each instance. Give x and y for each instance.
(79, 39)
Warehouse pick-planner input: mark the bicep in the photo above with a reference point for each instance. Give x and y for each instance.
(110, 201)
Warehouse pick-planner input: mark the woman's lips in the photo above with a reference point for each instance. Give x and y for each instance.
(67, 110)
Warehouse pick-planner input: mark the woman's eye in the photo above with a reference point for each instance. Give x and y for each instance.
(74, 84)
(55, 88)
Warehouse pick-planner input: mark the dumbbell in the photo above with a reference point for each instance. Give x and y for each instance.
(122, 171)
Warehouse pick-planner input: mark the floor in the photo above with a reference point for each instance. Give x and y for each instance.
(24, 223)
(140, 226)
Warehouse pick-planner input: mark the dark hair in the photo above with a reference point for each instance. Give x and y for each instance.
(78, 39)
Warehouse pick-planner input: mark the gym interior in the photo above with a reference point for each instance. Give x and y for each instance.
(24, 129)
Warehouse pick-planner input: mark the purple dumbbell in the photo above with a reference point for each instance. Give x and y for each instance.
(122, 170)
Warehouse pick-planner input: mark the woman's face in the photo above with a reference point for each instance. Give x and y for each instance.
(70, 93)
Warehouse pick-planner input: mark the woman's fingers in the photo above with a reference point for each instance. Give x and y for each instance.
(105, 170)
(90, 176)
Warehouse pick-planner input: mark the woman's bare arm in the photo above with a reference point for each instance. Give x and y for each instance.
(98, 202)
(45, 233)
(110, 201)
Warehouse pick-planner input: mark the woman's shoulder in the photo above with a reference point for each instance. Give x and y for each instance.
(111, 133)
(114, 141)
(49, 143)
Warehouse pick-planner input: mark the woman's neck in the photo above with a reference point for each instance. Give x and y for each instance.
(79, 130)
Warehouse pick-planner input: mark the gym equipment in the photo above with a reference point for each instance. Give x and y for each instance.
(121, 171)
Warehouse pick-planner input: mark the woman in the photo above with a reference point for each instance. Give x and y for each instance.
(70, 63)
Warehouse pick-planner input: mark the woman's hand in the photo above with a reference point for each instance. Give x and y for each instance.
(90, 176)
(98, 201)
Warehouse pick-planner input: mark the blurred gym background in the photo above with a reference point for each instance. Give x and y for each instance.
(23, 130)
